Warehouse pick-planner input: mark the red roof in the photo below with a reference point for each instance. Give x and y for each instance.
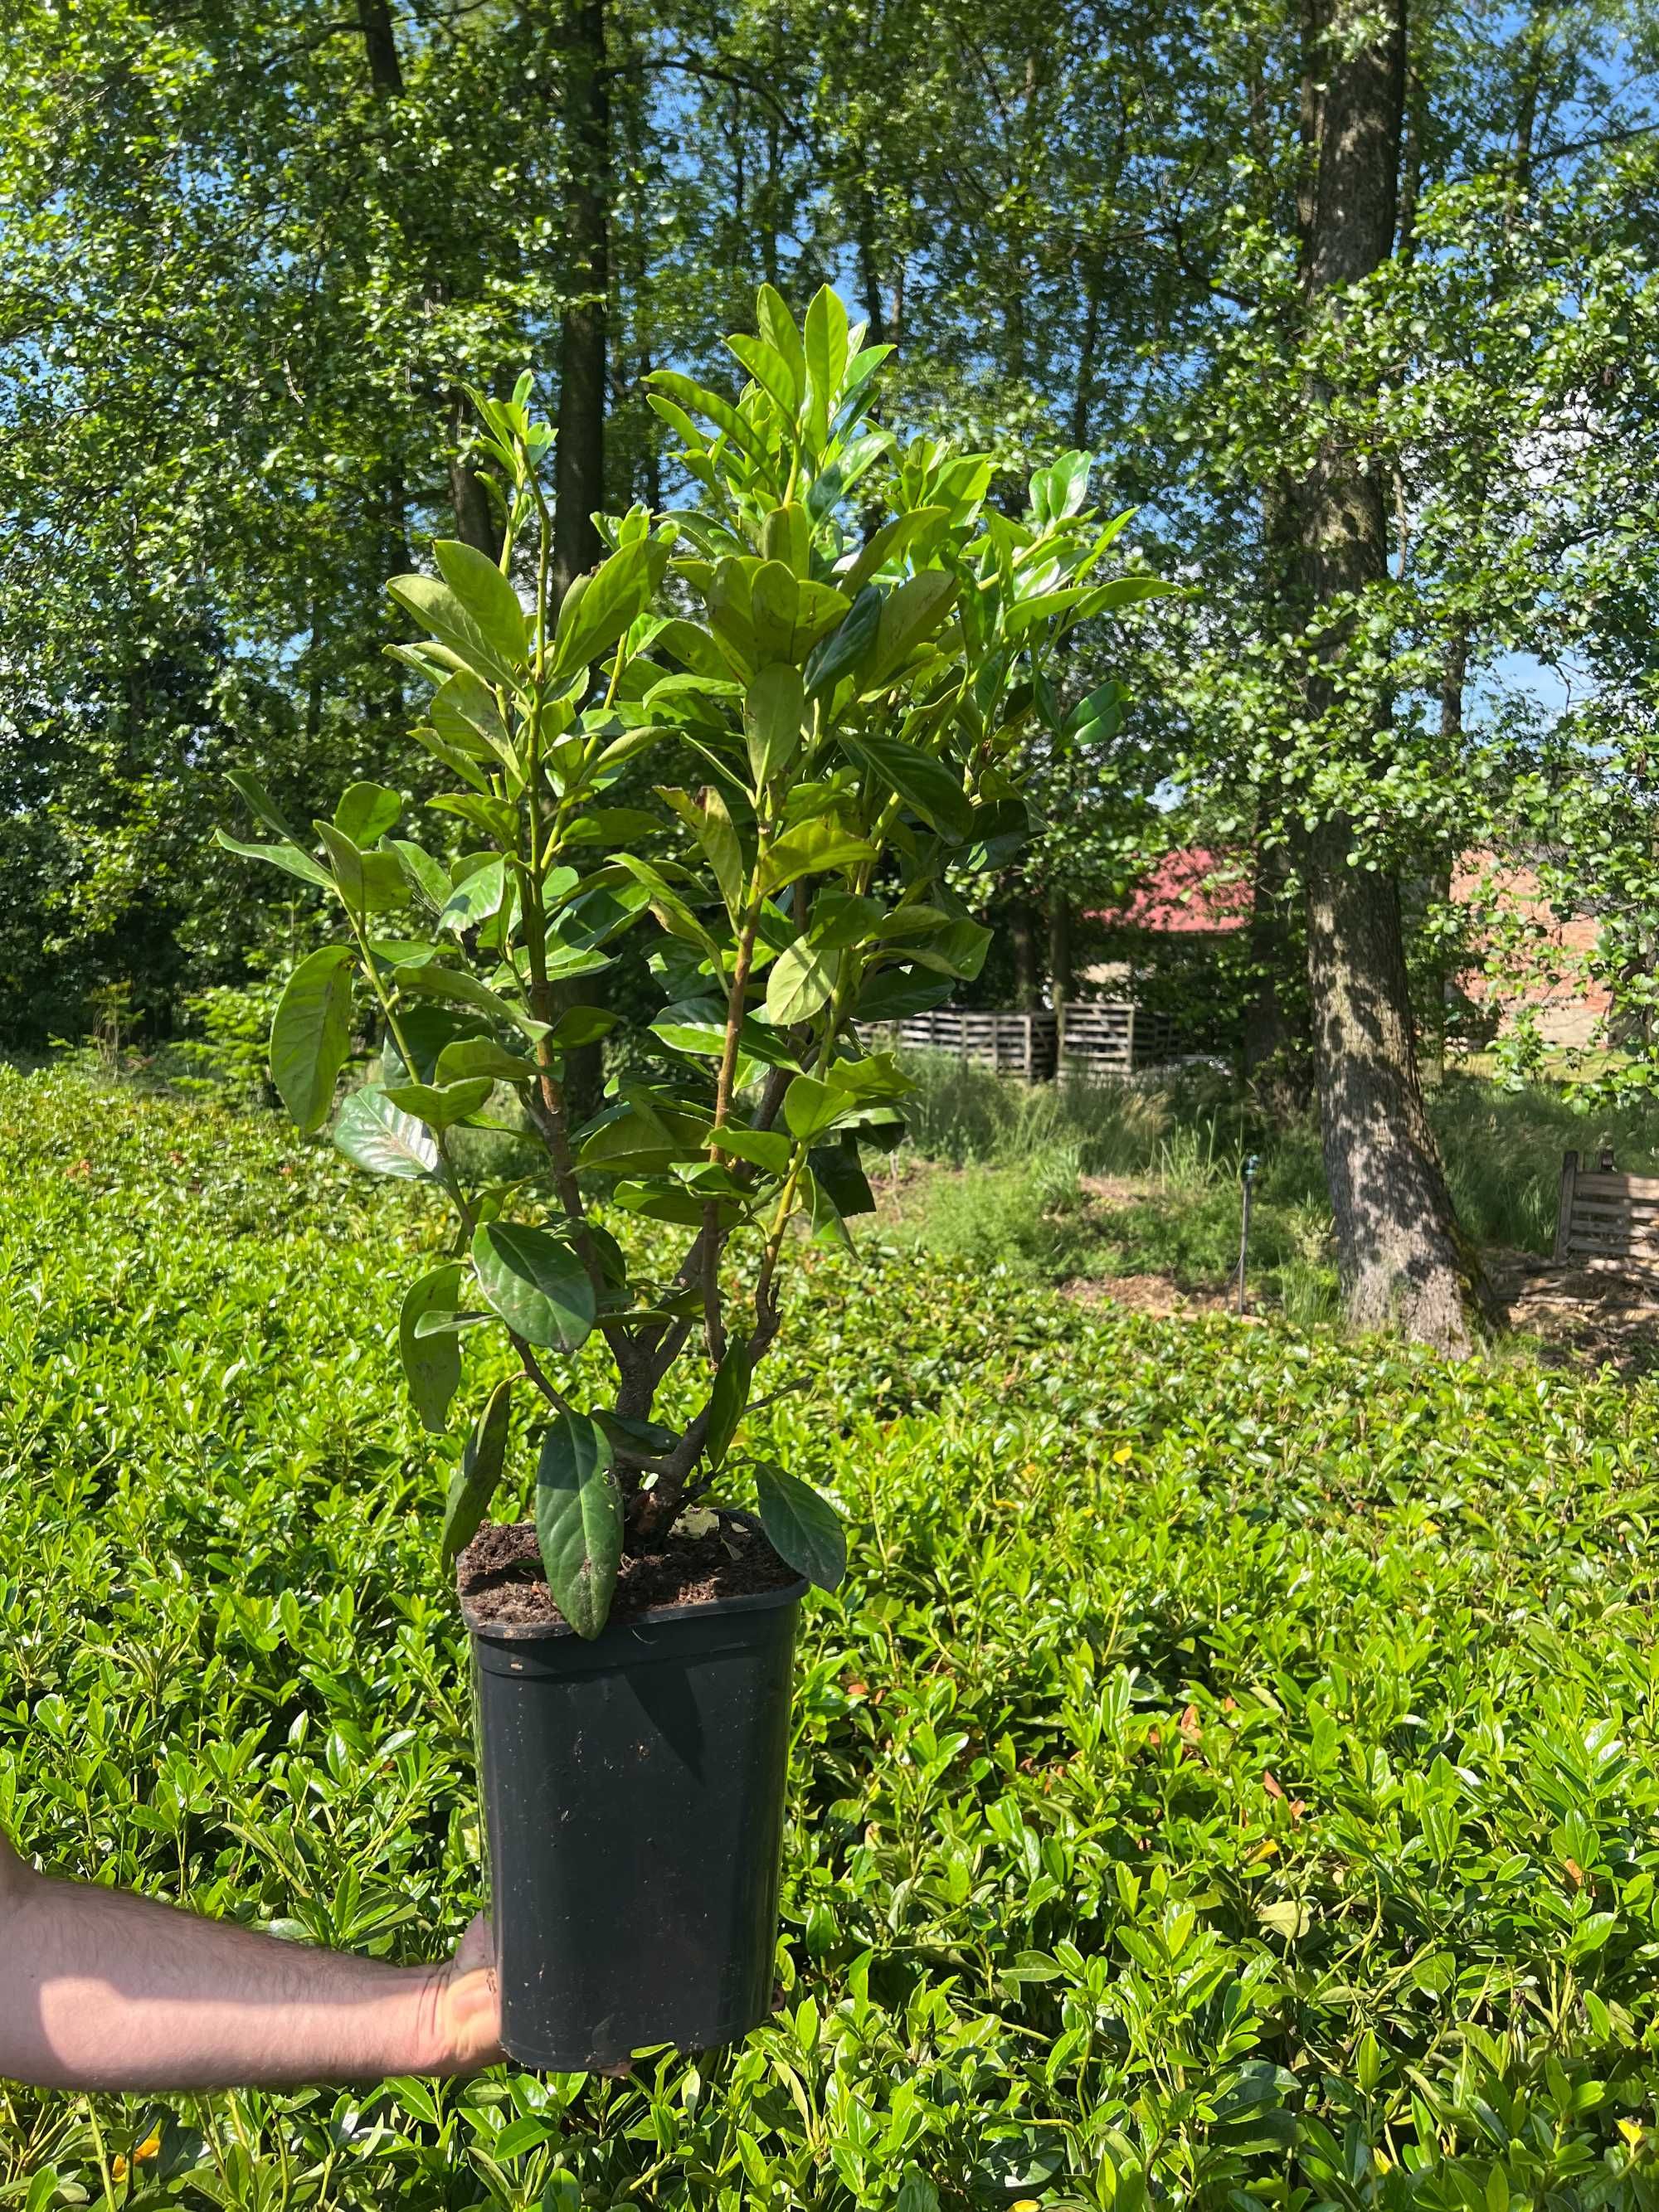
(1186, 894)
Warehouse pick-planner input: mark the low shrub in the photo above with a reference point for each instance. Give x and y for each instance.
(1232, 1781)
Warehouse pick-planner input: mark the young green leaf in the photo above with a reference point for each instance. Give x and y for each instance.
(473, 1484)
(481, 1056)
(802, 1528)
(367, 811)
(727, 1399)
(311, 1034)
(773, 710)
(536, 1282)
(579, 1520)
(929, 786)
(809, 1107)
(432, 1365)
(599, 607)
(825, 338)
(799, 982)
(488, 597)
(812, 848)
(375, 1134)
(441, 1105)
(289, 857)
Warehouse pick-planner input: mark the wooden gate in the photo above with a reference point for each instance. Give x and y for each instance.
(1604, 1215)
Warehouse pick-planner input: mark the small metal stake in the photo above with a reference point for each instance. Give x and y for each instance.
(1248, 1177)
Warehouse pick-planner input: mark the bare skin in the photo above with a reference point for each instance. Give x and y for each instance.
(100, 1989)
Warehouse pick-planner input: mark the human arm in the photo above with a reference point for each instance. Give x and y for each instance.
(101, 1990)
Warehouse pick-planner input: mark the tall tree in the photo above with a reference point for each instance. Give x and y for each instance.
(1400, 1253)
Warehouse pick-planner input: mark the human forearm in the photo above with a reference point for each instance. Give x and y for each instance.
(102, 1990)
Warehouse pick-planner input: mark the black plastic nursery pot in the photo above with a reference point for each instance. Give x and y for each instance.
(633, 1790)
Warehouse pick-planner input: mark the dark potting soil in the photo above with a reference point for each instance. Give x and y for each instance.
(499, 1573)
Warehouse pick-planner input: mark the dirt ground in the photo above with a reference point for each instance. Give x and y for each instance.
(1581, 1317)
(1589, 1316)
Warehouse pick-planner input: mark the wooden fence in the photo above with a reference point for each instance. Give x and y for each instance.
(1604, 1215)
(1111, 1037)
(1105, 1037)
(1012, 1044)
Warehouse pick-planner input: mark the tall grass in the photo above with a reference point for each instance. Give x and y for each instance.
(1027, 1148)
(965, 1116)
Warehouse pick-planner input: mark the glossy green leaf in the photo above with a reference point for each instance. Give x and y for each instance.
(599, 607)
(488, 597)
(311, 1034)
(464, 989)
(799, 982)
(847, 646)
(536, 1281)
(727, 1399)
(812, 848)
(810, 1107)
(432, 1364)
(473, 1484)
(465, 715)
(375, 1134)
(288, 858)
(367, 811)
(931, 787)
(446, 617)
(579, 1520)
(802, 1527)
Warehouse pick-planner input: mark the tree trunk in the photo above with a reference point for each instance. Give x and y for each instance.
(1276, 1044)
(475, 523)
(1453, 672)
(579, 477)
(1403, 1260)
(1021, 931)
(475, 518)
(385, 71)
(1060, 949)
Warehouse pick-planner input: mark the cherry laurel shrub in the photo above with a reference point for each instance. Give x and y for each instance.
(841, 663)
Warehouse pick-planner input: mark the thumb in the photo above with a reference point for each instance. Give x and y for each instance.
(477, 1949)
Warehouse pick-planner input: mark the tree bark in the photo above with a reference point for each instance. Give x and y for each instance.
(579, 474)
(1454, 673)
(1401, 1257)
(1276, 1043)
(1061, 966)
(1021, 931)
(385, 71)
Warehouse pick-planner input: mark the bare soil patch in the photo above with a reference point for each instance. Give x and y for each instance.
(1590, 1316)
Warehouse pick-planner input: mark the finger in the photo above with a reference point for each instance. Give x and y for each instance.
(477, 1948)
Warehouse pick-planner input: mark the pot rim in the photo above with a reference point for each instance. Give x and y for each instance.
(542, 1631)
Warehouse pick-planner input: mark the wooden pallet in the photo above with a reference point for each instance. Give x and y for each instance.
(1113, 1036)
(1012, 1044)
(1606, 1216)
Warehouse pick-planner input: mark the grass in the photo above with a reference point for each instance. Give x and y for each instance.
(1228, 1777)
(1025, 1154)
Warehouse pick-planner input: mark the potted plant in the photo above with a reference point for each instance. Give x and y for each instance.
(834, 668)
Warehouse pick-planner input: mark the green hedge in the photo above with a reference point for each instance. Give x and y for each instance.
(1227, 1779)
